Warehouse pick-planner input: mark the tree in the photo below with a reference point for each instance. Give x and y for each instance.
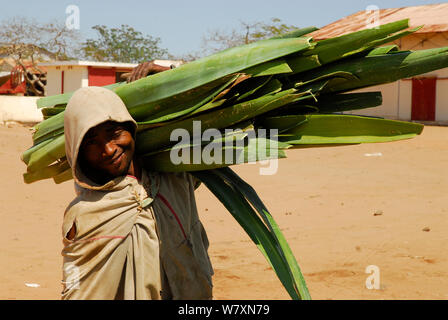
(124, 44)
(218, 40)
(28, 42)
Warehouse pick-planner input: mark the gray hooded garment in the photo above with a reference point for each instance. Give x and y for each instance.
(134, 239)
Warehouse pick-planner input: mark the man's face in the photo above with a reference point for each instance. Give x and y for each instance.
(107, 150)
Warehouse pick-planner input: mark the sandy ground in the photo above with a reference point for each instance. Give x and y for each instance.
(324, 201)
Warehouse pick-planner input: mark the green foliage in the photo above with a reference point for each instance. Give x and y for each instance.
(123, 44)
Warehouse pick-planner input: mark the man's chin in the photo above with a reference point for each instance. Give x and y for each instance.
(118, 173)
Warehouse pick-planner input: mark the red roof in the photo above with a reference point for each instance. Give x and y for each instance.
(434, 17)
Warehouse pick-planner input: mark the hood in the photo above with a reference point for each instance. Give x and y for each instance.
(87, 108)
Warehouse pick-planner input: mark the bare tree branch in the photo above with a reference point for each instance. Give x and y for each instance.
(29, 42)
(218, 40)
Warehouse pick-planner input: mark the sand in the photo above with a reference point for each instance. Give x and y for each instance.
(340, 210)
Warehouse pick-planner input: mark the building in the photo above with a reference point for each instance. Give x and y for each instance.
(423, 98)
(68, 76)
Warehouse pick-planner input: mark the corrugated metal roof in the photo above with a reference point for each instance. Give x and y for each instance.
(434, 17)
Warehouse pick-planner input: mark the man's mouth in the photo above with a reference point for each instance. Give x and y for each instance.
(115, 161)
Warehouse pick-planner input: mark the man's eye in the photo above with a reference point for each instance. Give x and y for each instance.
(117, 133)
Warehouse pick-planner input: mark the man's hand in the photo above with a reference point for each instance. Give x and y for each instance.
(144, 69)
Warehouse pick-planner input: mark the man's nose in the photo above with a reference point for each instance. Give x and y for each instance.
(109, 149)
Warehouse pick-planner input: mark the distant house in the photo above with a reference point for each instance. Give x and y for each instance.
(67, 76)
(423, 98)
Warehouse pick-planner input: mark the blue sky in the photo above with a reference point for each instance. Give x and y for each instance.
(181, 24)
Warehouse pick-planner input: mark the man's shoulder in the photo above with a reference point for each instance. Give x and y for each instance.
(83, 200)
(76, 203)
(72, 205)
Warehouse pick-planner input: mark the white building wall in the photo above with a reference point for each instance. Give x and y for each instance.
(442, 99)
(19, 109)
(405, 99)
(397, 99)
(53, 81)
(389, 108)
(397, 96)
(84, 77)
(75, 77)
